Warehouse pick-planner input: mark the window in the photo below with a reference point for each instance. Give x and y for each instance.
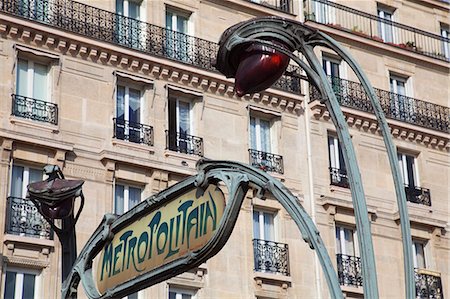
(21, 284)
(263, 225)
(338, 171)
(445, 30)
(21, 177)
(126, 197)
(402, 106)
(128, 29)
(385, 29)
(418, 248)
(177, 293)
(128, 114)
(32, 80)
(178, 44)
(332, 68)
(323, 13)
(348, 261)
(408, 169)
(260, 134)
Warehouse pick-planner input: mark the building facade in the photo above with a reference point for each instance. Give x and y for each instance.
(124, 95)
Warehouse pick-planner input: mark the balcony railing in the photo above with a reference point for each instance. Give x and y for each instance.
(23, 218)
(379, 29)
(133, 132)
(349, 270)
(428, 285)
(281, 5)
(418, 195)
(406, 109)
(338, 177)
(271, 256)
(34, 109)
(266, 161)
(184, 143)
(113, 28)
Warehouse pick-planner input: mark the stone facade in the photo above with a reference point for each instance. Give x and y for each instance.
(88, 58)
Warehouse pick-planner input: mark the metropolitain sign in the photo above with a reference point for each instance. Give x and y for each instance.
(183, 225)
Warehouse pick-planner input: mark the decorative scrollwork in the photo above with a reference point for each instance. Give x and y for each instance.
(133, 132)
(271, 256)
(349, 270)
(266, 161)
(428, 286)
(184, 143)
(34, 109)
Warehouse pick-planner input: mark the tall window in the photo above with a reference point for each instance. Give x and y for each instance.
(178, 293)
(418, 248)
(126, 197)
(260, 134)
(345, 241)
(128, 29)
(32, 80)
(21, 177)
(21, 284)
(408, 169)
(178, 44)
(348, 262)
(445, 33)
(331, 68)
(128, 113)
(402, 106)
(180, 124)
(263, 225)
(385, 29)
(338, 171)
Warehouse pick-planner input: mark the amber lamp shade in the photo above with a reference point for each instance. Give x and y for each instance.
(62, 210)
(259, 67)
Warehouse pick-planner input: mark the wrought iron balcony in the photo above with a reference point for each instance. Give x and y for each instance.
(266, 161)
(184, 143)
(406, 109)
(114, 28)
(338, 177)
(23, 218)
(34, 109)
(271, 256)
(418, 195)
(349, 270)
(428, 285)
(133, 132)
(281, 5)
(373, 27)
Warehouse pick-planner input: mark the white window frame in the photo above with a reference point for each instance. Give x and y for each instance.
(445, 32)
(325, 14)
(333, 150)
(261, 212)
(381, 13)
(404, 169)
(328, 61)
(126, 100)
(126, 195)
(179, 13)
(344, 249)
(177, 99)
(19, 281)
(258, 132)
(30, 79)
(180, 291)
(25, 178)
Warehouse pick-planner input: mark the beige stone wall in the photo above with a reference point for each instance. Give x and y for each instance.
(83, 85)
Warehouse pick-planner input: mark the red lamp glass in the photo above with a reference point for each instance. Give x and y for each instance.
(259, 68)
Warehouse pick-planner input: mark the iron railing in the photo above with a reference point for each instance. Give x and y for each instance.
(114, 28)
(281, 5)
(271, 256)
(338, 177)
(399, 107)
(24, 219)
(418, 195)
(428, 286)
(34, 109)
(266, 161)
(349, 270)
(184, 143)
(133, 132)
(379, 29)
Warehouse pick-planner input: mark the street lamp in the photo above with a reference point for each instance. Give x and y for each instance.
(55, 199)
(256, 52)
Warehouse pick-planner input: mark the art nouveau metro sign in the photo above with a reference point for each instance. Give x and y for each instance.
(183, 225)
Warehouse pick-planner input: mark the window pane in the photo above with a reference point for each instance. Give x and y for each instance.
(420, 255)
(120, 102)
(134, 195)
(133, 296)
(338, 240)
(349, 245)
(269, 233)
(182, 24)
(118, 201)
(28, 286)
(169, 20)
(265, 135)
(253, 132)
(401, 88)
(186, 296)
(256, 234)
(119, 7)
(410, 170)
(17, 181)
(133, 10)
(40, 82)
(35, 175)
(10, 284)
(22, 75)
(134, 109)
(183, 121)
